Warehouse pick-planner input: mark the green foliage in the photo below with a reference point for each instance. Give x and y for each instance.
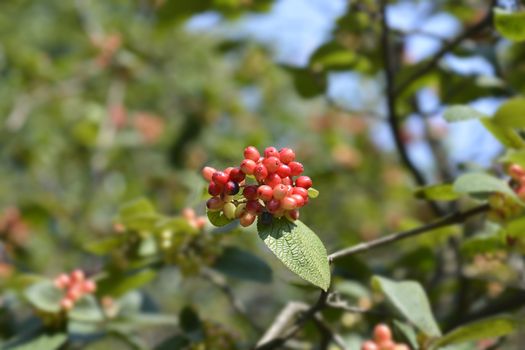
(238, 263)
(510, 24)
(443, 192)
(44, 296)
(299, 248)
(217, 218)
(481, 183)
(461, 113)
(44, 342)
(511, 114)
(409, 299)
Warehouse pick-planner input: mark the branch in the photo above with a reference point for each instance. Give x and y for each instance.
(484, 22)
(448, 220)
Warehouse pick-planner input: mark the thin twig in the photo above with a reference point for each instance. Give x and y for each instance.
(482, 24)
(448, 220)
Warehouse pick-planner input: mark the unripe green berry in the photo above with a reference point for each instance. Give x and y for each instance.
(229, 210)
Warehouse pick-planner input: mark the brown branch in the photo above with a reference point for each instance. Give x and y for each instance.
(432, 64)
(455, 218)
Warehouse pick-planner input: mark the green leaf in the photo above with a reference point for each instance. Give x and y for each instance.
(313, 193)
(44, 296)
(443, 192)
(176, 342)
(299, 248)
(492, 327)
(461, 112)
(44, 342)
(507, 136)
(238, 263)
(333, 56)
(482, 244)
(191, 324)
(307, 83)
(408, 333)
(138, 215)
(86, 309)
(514, 156)
(480, 183)
(105, 246)
(217, 218)
(511, 25)
(118, 285)
(410, 300)
(511, 114)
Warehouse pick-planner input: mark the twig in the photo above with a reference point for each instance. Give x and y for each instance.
(219, 281)
(277, 342)
(328, 335)
(484, 22)
(448, 220)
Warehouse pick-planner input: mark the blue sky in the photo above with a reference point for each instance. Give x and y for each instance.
(293, 29)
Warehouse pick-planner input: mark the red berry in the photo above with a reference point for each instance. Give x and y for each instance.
(279, 212)
(292, 215)
(272, 164)
(401, 346)
(214, 189)
(247, 219)
(280, 191)
(228, 170)
(387, 345)
(287, 181)
(248, 166)
(89, 286)
(62, 281)
(304, 182)
(382, 333)
(67, 304)
(286, 155)
(237, 175)
(220, 177)
(207, 172)
(303, 192)
(273, 180)
(253, 207)
(299, 199)
(369, 345)
(265, 192)
(77, 276)
(260, 172)
(288, 203)
(231, 188)
(296, 168)
(74, 293)
(214, 204)
(252, 153)
(284, 171)
(271, 152)
(516, 171)
(250, 192)
(273, 205)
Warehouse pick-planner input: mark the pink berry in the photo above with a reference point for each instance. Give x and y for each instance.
(303, 192)
(89, 286)
(188, 213)
(200, 222)
(382, 333)
(401, 346)
(292, 215)
(253, 207)
(250, 192)
(247, 219)
(284, 171)
(74, 293)
(286, 155)
(273, 205)
(299, 199)
(62, 281)
(287, 181)
(369, 345)
(252, 153)
(260, 172)
(304, 182)
(228, 170)
(248, 166)
(231, 188)
(386, 345)
(296, 168)
(280, 191)
(237, 175)
(214, 189)
(288, 203)
(220, 177)
(516, 171)
(77, 276)
(207, 172)
(66, 304)
(271, 164)
(273, 180)
(271, 152)
(214, 204)
(265, 192)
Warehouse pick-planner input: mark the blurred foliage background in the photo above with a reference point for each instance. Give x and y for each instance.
(103, 102)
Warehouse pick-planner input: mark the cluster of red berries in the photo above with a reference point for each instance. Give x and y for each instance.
(503, 206)
(75, 285)
(383, 340)
(280, 190)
